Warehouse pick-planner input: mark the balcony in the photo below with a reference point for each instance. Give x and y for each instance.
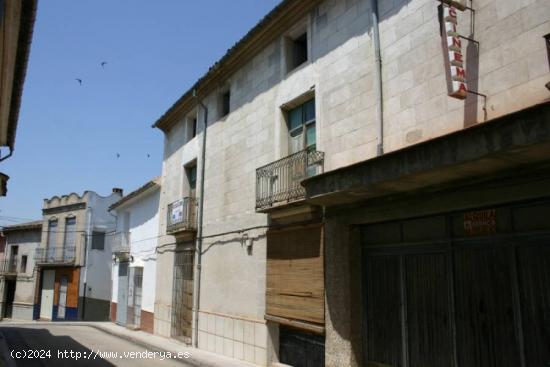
(8, 267)
(182, 216)
(278, 183)
(121, 243)
(55, 255)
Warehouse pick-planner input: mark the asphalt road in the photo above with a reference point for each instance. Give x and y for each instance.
(70, 345)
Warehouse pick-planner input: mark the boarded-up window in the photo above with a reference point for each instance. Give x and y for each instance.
(295, 277)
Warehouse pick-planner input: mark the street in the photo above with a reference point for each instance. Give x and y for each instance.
(75, 345)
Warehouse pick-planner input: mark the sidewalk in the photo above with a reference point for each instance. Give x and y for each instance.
(197, 357)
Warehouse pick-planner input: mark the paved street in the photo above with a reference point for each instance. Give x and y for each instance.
(75, 345)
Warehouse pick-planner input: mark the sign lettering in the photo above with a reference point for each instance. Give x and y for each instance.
(457, 72)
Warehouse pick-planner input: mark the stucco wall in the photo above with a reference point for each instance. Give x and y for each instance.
(143, 228)
(97, 273)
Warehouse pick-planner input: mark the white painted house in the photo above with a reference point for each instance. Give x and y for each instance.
(134, 255)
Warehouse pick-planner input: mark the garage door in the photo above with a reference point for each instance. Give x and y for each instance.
(436, 299)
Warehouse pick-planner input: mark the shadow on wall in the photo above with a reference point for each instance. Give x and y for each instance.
(25, 339)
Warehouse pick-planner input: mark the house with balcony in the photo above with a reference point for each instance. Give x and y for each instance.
(134, 246)
(17, 270)
(16, 28)
(74, 257)
(353, 157)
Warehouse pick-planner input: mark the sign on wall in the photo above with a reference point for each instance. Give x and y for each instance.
(480, 222)
(176, 213)
(456, 71)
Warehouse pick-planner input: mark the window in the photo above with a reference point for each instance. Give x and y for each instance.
(23, 264)
(297, 51)
(300, 50)
(225, 103)
(70, 232)
(194, 128)
(191, 173)
(52, 233)
(190, 126)
(301, 127)
(98, 240)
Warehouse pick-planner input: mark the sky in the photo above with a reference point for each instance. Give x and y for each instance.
(69, 135)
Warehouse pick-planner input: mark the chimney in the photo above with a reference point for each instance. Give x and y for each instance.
(117, 190)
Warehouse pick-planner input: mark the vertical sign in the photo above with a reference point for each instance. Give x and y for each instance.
(455, 66)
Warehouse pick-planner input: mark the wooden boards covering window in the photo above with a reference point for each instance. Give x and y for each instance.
(295, 276)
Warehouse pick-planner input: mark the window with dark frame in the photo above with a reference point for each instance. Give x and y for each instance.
(98, 240)
(23, 268)
(191, 173)
(194, 128)
(299, 51)
(225, 103)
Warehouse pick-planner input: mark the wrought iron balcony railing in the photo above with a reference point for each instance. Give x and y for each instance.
(182, 215)
(8, 266)
(278, 183)
(121, 243)
(55, 255)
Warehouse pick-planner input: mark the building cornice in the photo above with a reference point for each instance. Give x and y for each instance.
(64, 208)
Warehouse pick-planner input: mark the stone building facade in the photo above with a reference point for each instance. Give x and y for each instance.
(251, 267)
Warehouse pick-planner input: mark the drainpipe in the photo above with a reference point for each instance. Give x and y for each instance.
(199, 225)
(378, 77)
(86, 247)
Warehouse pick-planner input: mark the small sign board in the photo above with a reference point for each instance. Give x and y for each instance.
(480, 222)
(176, 213)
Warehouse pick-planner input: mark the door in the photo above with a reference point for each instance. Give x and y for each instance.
(46, 299)
(10, 296)
(122, 305)
(134, 296)
(182, 303)
(63, 283)
(459, 303)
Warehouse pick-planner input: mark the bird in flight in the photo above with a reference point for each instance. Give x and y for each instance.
(103, 64)
(148, 155)
(79, 81)
(118, 155)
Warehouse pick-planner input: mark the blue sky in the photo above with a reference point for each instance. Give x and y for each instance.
(69, 135)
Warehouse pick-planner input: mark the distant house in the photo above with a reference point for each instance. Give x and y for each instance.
(16, 27)
(74, 258)
(17, 271)
(134, 250)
